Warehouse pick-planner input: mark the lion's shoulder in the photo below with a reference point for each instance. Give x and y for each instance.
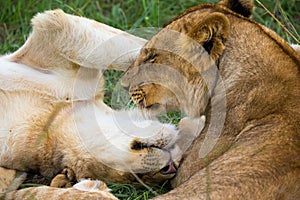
(237, 9)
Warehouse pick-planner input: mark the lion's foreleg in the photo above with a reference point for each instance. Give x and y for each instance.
(86, 189)
(10, 180)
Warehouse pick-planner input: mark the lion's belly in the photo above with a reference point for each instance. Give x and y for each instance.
(22, 129)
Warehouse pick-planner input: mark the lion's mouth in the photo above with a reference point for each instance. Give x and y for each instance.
(169, 169)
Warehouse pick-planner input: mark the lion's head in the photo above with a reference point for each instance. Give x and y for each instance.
(178, 58)
(124, 145)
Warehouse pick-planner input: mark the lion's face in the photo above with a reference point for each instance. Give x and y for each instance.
(152, 93)
(128, 143)
(173, 70)
(156, 77)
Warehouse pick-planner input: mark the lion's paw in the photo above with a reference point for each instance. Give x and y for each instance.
(189, 130)
(191, 126)
(91, 185)
(10, 180)
(65, 179)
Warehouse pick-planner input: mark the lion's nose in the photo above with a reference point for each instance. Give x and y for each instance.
(124, 83)
(169, 169)
(126, 88)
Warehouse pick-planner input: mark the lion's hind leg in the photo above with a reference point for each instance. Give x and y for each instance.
(10, 180)
(61, 39)
(86, 189)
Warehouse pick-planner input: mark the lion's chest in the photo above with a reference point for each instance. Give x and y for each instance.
(23, 136)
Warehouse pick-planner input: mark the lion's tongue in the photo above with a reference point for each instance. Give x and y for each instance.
(169, 169)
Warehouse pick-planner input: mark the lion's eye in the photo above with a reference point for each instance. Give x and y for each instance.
(137, 145)
(153, 106)
(150, 58)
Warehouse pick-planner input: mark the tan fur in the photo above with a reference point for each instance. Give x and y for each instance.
(53, 115)
(10, 180)
(296, 48)
(86, 189)
(65, 179)
(257, 153)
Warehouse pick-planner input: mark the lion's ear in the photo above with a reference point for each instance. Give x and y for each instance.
(212, 33)
(243, 7)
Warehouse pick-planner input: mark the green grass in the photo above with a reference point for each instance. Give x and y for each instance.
(129, 15)
(138, 192)
(15, 15)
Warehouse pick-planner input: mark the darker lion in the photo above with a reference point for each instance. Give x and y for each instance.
(258, 75)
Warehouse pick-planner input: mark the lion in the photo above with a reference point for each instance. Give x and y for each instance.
(296, 47)
(214, 60)
(53, 117)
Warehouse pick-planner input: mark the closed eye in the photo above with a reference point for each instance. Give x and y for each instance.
(137, 145)
(153, 106)
(150, 58)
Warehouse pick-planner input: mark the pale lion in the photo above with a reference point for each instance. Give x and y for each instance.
(53, 115)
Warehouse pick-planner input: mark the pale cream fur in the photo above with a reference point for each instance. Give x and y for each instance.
(296, 47)
(85, 189)
(52, 111)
